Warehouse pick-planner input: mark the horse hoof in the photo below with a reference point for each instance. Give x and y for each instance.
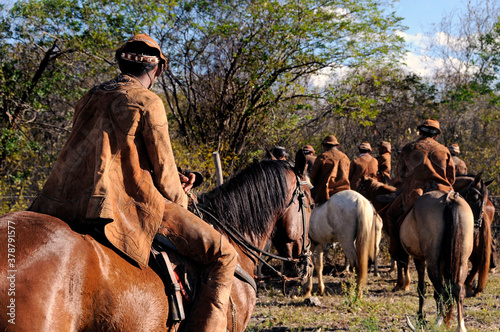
(398, 288)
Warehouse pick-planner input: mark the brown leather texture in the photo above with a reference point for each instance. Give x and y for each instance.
(384, 167)
(363, 166)
(330, 174)
(117, 167)
(425, 165)
(460, 166)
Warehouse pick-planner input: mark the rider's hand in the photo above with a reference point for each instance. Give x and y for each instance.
(187, 181)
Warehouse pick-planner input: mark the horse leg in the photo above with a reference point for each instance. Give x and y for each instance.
(422, 288)
(309, 283)
(375, 265)
(377, 237)
(392, 267)
(484, 260)
(458, 291)
(347, 265)
(440, 295)
(403, 279)
(469, 281)
(319, 268)
(352, 255)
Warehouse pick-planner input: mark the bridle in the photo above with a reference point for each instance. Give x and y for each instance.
(257, 253)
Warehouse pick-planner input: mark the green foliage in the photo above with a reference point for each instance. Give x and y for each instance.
(250, 63)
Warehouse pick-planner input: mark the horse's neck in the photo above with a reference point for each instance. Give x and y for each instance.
(246, 259)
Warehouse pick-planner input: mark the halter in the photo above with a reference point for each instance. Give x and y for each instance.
(256, 252)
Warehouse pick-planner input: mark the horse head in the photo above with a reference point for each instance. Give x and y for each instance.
(475, 192)
(291, 238)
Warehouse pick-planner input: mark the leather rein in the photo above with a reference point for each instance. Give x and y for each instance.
(256, 252)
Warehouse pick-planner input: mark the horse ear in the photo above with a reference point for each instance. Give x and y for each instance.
(487, 183)
(300, 162)
(477, 178)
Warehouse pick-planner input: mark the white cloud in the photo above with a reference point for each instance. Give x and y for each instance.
(420, 61)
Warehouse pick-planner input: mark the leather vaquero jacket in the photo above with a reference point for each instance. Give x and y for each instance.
(425, 165)
(117, 167)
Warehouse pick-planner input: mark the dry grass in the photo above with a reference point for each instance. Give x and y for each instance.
(379, 310)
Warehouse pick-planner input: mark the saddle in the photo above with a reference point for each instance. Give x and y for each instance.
(181, 276)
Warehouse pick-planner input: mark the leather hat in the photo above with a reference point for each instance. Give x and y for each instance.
(331, 140)
(308, 148)
(386, 145)
(454, 148)
(430, 125)
(365, 146)
(141, 48)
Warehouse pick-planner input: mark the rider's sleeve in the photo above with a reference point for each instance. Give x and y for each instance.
(450, 170)
(159, 148)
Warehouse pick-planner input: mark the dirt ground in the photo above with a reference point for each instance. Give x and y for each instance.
(379, 310)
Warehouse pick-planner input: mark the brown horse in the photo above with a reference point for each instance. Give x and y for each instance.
(475, 192)
(438, 233)
(55, 279)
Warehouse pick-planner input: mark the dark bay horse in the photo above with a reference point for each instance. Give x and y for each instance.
(475, 192)
(54, 279)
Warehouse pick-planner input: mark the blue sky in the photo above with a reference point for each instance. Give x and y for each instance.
(419, 15)
(422, 17)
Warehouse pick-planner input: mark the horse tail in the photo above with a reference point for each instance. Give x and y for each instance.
(363, 240)
(452, 239)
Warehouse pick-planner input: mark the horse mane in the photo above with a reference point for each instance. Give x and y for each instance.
(250, 200)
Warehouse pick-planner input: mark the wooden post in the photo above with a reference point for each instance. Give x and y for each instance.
(218, 168)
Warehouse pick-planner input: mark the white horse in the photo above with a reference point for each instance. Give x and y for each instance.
(350, 219)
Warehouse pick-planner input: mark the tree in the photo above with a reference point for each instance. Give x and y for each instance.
(467, 83)
(239, 68)
(238, 78)
(52, 51)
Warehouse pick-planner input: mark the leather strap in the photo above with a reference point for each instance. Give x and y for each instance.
(175, 296)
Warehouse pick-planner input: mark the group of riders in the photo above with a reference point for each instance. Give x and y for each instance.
(116, 175)
(422, 166)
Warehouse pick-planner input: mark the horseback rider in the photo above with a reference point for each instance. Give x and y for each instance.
(117, 173)
(423, 165)
(330, 172)
(460, 166)
(363, 166)
(384, 162)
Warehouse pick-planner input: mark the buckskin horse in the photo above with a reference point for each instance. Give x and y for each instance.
(438, 233)
(55, 279)
(475, 192)
(349, 218)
